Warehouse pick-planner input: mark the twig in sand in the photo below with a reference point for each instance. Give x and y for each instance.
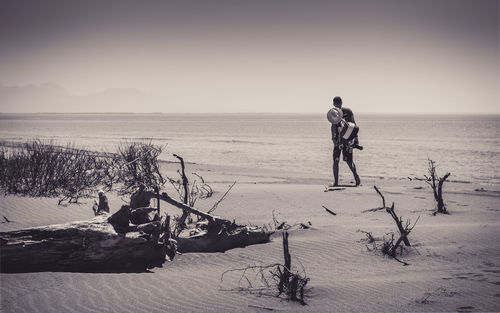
(383, 199)
(222, 198)
(369, 240)
(369, 236)
(329, 211)
(421, 179)
(260, 307)
(206, 191)
(285, 226)
(441, 291)
(403, 262)
(383, 203)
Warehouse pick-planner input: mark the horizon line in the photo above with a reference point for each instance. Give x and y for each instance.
(258, 113)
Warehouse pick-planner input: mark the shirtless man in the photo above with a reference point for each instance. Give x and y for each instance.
(340, 144)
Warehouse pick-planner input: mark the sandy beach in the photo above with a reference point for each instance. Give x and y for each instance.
(259, 97)
(454, 261)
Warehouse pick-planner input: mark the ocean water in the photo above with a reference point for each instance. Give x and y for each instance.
(394, 145)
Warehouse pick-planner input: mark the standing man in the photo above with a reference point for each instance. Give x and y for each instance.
(342, 144)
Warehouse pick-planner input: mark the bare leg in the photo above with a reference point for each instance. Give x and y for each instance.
(336, 159)
(336, 172)
(352, 166)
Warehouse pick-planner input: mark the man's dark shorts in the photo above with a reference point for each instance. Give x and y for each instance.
(346, 153)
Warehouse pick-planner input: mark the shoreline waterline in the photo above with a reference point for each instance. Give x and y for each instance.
(394, 145)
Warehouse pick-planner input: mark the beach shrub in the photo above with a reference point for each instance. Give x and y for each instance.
(45, 169)
(138, 165)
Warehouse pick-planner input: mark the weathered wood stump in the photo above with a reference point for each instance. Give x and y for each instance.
(84, 246)
(241, 236)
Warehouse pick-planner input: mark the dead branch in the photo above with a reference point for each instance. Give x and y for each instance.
(189, 194)
(400, 261)
(207, 189)
(285, 226)
(329, 211)
(369, 237)
(440, 201)
(185, 181)
(421, 179)
(398, 221)
(275, 221)
(211, 218)
(436, 184)
(372, 210)
(260, 307)
(383, 203)
(383, 199)
(216, 204)
(285, 277)
(275, 279)
(390, 247)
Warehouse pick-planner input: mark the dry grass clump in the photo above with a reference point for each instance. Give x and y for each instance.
(137, 164)
(45, 169)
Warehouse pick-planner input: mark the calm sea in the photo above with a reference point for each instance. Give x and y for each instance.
(395, 145)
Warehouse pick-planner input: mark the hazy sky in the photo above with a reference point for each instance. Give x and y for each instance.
(388, 56)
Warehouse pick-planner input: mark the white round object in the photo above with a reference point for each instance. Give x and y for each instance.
(334, 116)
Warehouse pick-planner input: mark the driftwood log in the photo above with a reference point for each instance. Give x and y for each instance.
(85, 246)
(129, 240)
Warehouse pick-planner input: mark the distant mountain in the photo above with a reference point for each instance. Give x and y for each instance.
(33, 98)
(51, 97)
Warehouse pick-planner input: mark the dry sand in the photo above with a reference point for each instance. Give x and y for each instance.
(454, 261)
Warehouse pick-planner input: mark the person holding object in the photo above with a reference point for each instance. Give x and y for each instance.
(345, 138)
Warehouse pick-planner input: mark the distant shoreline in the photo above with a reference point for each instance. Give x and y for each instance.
(246, 114)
